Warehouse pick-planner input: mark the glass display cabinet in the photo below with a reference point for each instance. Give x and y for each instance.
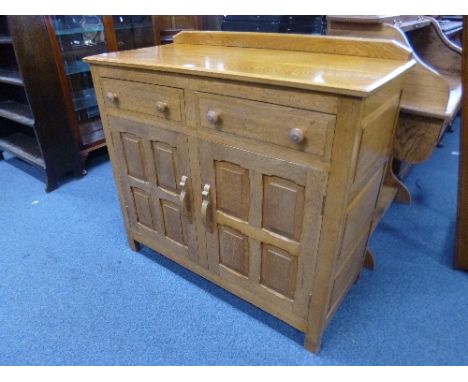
(169, 26)
(48, 110)
(33, 124)
(76, 37)
(133, 32)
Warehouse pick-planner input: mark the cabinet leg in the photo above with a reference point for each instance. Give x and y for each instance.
(134, 245)
(51, 185)
(450, 128)
(79, 170)
(369, 260)
(312, 344)
(82, 167)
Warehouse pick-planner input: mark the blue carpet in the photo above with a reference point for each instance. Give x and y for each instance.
(73, 293)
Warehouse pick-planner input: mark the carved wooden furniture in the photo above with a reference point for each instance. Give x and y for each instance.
(461, 242)
(255, 159)
(432, 92)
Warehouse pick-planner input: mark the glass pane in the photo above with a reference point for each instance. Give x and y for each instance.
(4, 26)
(68, 25)
(133, 31)
(78, 37)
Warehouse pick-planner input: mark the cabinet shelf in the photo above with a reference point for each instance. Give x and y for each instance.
(24, 147)
(133, 26)
(76, 68)
(84, 99)
(92, 133)
(5, 39)
(46, 87)
(80, 30)
(17, 112)
(10, 77)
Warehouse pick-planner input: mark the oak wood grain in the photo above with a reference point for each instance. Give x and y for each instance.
(294, 68)
(268, 123)
(313, 44)
(282, 226)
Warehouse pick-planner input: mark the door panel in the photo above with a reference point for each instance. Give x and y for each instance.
(256, 211)
(283, 206)
(134, 156)
(173, 222)
(279, 270)
(234, 187)
(234, 250)
(153, 161)
(143, 208)
(165, 158)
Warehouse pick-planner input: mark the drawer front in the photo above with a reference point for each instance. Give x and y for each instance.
(297, 129)
(160, 101)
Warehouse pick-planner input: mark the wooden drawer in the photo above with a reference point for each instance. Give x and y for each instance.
(160, 101)
(297, 129)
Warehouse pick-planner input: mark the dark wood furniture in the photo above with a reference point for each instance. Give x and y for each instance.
(33, 117)
(48, 110)
(312, 24)
(461, 255)
(74, 37)
(168, 26)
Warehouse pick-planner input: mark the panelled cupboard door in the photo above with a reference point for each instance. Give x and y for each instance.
(155, 172)
(255, 209)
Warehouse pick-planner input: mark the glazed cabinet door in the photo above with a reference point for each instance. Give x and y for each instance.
(262, 217)
(156, 181)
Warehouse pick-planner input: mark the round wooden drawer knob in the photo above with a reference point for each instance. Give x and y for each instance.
(161, 106)
(296, 135)
(212, 116)
(112, 97)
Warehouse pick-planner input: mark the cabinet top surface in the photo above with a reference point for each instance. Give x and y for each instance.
(349, 66)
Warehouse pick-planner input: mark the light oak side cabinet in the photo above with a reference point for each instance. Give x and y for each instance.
(255, 160)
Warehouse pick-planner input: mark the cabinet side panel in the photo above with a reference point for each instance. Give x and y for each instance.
(360, 213)
(377, 127)
(343, 159)
(377, 133)
(346, 277)
(34, 53)
(115, 161)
